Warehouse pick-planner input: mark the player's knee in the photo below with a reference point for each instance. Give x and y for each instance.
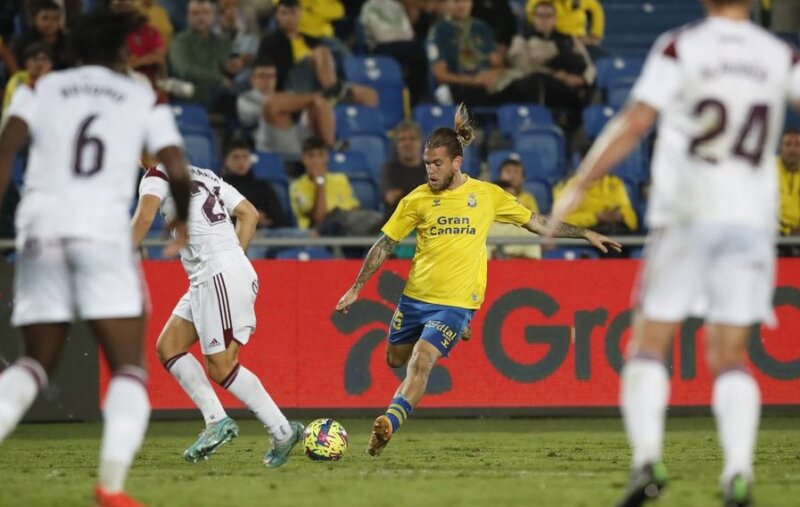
(421, 364)
(395, 361)
(219, 368)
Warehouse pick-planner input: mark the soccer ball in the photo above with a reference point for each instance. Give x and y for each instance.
(325, 440)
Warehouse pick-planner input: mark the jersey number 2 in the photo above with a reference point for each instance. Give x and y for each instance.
(756, 125)
(210, 203)
(85, 142)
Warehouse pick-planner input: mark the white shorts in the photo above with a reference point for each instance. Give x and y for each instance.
(58, 278)
(724, 274)
(222, 308)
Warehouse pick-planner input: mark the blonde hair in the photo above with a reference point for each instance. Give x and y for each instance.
(456, 139)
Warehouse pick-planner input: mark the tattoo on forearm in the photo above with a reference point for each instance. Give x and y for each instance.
(564, 230)
(379, 252)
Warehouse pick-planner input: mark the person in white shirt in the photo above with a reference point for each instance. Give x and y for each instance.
(719, 90)
(217, 310)
(87, 127)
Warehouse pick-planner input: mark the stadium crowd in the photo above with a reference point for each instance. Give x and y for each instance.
(316, 110)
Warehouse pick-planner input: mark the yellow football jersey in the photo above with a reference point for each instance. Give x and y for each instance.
(449, 265)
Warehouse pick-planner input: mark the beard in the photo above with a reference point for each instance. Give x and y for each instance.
(443, 182)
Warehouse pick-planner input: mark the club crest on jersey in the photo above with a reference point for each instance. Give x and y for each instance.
(472, 201)
(437, 202)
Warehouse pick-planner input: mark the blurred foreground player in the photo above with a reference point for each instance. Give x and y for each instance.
(712, 214)
(87, 128)
(217, 310)
(452, 215)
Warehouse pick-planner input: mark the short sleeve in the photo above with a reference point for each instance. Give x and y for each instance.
(23, 105)
(660, 80)
(403, 220)
(155, 183)
(249, 107)
(162, 131)
(230, 196)
(507, 208)
(436, 46)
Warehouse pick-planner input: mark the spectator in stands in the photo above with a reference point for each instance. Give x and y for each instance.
(238, 173)
(500, 230)
(70, 8)
(8, 59)
(423, 14)
(389, 32)
(200, 56)
(47, 17)
(38, 61)
(606, 208)
(318, 193)
(303, 63)
(406, 172)
(146, 47)
(512, 175)
(498, 15)
(158, 17)
(465, 62)
(275, 115)
(789, 178)
(572, 18)
(557, 66)
(244, 43)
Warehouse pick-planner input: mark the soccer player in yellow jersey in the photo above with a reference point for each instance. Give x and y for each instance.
(452, 215)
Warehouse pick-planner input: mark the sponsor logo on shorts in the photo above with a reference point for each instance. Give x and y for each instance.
(448, 335)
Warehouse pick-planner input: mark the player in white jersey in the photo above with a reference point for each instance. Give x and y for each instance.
(719, 88)
(87, 128)
(217, 310)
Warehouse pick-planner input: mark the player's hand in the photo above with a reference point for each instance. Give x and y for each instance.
(181, 239)
(466, 334)
(601, 242)
(343, 306)
(567, 202)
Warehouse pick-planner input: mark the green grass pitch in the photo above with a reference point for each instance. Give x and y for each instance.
(438, 462)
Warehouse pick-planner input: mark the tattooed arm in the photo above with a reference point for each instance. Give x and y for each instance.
(538, 224)
(379, 252)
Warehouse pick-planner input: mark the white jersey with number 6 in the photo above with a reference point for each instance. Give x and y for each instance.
(213, 244)
(88, 127)
(721, 88)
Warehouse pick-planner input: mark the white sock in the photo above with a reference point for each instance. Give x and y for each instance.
(737, 407)
(19, 385)
(125, 416)
(243, 384)
(644, 396)
(187, 371)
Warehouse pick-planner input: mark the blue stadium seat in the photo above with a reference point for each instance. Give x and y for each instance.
(636, 252)
(618, 94)
(547, 143)
(269, 166)
(496, 158)
(515, 117)
(201, 149)
(190, 115)
(595, 118)
(542, 192)
(432, 116)
(613, 70)
(348, 162)
(304, 253)
(792, 119)
(366, 190)
(633, 168)
(571, 253)
(374, 150)
(358, 120)
(18, 171)
(384, 75)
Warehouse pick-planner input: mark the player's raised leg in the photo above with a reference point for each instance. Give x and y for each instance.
(225, 369)
(126, 408)
(177, 337)
(23, 380)
(736, 403)
(643, 398)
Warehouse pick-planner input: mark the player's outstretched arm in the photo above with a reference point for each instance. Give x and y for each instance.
(614, 144)
(143, 217)
(246, 221)
(379, 252)
(540, 224)
(12, 139)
